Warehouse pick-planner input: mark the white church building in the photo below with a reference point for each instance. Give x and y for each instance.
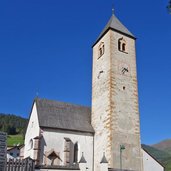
(105, 136)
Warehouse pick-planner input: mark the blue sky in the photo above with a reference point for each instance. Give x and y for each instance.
(45, 47)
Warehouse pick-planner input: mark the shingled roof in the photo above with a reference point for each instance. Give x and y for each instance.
(116, 25)
(53, 114)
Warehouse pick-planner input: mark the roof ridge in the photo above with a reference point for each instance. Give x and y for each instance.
(67, 103)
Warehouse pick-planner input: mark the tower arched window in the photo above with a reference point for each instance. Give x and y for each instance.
(75, 152)
(101, 49)
(122, 45)
(119, 45)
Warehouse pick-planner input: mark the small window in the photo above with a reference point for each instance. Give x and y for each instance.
(119, 45)
(122, 45)
(101, 49)
(32, 124)
(30, 146)
(11, 154)
(75, 152)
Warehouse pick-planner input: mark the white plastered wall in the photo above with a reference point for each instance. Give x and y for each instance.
(150, 164)
(32, 131)
(54, 140)
(53, 170)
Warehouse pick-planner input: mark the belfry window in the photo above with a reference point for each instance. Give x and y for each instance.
(122, 45)
(119, 45)
(101, 49)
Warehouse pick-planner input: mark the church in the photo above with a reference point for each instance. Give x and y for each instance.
(105, 136)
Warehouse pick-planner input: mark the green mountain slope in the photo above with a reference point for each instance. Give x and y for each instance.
(164, 146)
(158, 154)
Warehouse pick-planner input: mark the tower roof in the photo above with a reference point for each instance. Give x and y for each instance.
(115, 25)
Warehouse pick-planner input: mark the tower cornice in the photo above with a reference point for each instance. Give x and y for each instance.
(115, 31)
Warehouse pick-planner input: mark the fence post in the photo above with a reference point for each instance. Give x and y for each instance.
(9, 164)
(33, 165)
(12, 165)
(3, 150)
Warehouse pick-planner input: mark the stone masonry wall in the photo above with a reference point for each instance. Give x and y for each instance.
(101, 115)
(115, 113)
(124, 104)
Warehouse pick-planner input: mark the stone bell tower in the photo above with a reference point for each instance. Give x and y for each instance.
(115, 111)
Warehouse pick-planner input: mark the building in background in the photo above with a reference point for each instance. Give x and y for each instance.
(15, 152)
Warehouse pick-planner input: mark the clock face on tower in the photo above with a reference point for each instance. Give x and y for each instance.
(124, 69)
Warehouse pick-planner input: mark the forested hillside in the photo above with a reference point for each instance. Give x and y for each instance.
(12, 124)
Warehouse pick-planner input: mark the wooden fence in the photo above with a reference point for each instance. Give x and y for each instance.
(20, 165)
(3, 150)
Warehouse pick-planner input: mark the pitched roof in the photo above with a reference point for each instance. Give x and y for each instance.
(116, 25)
(15, 147)
(53, 114)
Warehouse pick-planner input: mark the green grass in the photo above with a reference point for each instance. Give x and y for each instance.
(15, 140)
